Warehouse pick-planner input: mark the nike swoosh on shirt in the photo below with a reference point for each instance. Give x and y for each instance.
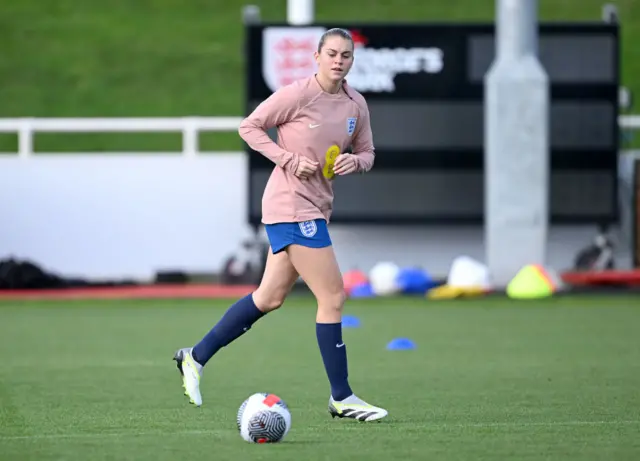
(312, 126)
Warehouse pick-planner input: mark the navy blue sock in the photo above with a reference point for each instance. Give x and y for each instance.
(334, 356)
(236, 321)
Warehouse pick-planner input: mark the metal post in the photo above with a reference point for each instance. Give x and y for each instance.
(516, 145)
(300, 12)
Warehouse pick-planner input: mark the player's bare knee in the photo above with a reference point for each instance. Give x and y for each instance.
(332, 302)
(269, 301)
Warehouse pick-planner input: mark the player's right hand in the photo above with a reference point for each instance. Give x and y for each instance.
(306, 168)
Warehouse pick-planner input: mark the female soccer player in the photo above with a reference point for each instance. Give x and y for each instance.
(317, 118)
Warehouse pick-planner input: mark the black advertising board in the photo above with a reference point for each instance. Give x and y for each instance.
(424, 87)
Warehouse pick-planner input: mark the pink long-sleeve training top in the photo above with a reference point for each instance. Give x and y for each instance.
(314, 124)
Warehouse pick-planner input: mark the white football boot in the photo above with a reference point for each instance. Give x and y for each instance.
(191, 372)
(355, 408)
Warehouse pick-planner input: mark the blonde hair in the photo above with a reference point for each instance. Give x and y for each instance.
(335, 32)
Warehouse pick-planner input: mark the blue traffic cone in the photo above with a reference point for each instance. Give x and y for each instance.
(350, 321)
(401, 344)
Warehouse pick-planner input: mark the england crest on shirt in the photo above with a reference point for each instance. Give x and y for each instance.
(351, 125)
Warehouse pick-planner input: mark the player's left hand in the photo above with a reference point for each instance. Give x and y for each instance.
(345, 164)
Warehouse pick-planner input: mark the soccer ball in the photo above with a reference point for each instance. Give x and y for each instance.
(384, 278)
(264, 418)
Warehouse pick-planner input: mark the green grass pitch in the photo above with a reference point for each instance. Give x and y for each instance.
(490, 380)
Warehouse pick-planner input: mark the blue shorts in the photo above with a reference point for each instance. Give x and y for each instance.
(312, 234)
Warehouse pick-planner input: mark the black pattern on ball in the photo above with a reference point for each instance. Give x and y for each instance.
(243, 407)
(267, 426)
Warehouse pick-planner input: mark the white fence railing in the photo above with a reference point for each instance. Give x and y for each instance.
(190, 127)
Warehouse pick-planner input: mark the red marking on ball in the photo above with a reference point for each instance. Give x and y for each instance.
(271, 399)
(263, 440)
